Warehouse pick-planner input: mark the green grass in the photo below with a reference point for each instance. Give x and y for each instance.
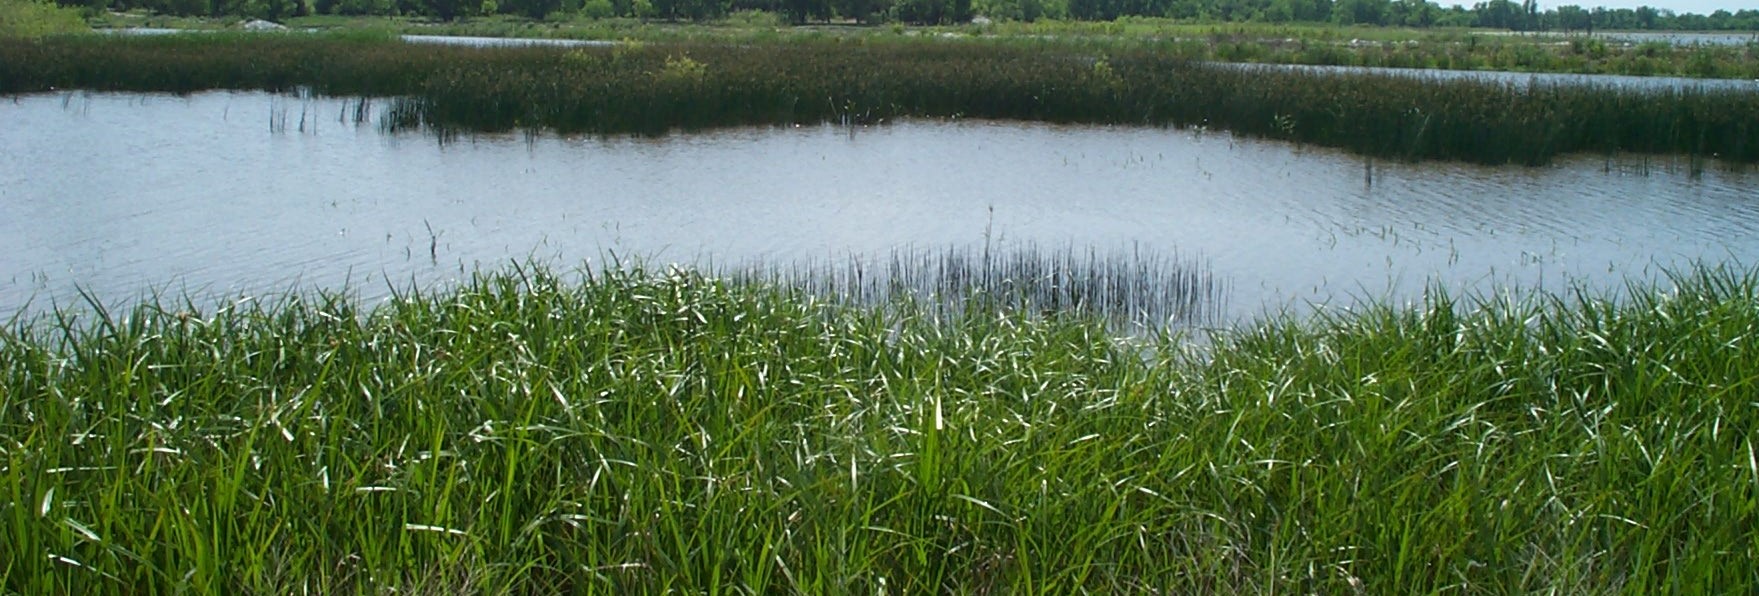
(31, 19)
(639, 432)
(655, 88)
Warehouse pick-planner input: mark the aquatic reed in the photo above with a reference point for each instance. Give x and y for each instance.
(1133, 289)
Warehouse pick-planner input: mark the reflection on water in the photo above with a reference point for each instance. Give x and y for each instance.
(122, 194)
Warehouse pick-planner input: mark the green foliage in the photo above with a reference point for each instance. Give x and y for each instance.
(865, 11)
(37, 18)
(689, 10)
(1104, 76)
(447, 10)
(365, 7)
(754, 19)
(654, 431)
(682, 68)
(597, 9)
(931, 12)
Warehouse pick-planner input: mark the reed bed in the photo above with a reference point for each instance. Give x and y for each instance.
(1135, 289)
(656, 431)
(653, 89)
(1252, 42)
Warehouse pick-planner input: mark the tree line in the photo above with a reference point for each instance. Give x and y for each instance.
(1496, 14)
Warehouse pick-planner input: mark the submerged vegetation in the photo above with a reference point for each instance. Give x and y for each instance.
(639, 432)
(651, 88)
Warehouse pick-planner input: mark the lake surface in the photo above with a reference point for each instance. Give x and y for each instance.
(449, 40)
(1631, 38)
(1683, 38)
(1525, 79)
(503, 42)
(234, 194)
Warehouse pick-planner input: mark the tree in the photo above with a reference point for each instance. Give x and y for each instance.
(1573, 18)
(449, 10)
(864, 11)
(363, 7)
(922, 12)
(1411, 13)
(1496, 14)
(1646, 17)
(1359, 12)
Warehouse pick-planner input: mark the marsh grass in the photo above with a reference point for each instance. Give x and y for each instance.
(654, 89)
(645, 431)
(1133, 289)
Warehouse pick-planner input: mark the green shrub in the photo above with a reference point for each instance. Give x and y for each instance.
(37, 18)
(597, 9)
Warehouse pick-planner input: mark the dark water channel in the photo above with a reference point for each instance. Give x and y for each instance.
(238, 194)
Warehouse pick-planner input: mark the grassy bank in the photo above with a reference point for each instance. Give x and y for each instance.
(640, 433)
(644, 88)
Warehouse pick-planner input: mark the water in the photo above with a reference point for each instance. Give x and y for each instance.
(1682, 38)
(447, 40)
(503, 42)
(1632, 38)
(1527, 79)
(229, 194)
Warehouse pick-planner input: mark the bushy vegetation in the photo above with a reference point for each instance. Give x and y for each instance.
(643, 88)
(640, 432)
(34, 18)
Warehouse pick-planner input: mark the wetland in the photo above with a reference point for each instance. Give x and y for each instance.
(345, 314)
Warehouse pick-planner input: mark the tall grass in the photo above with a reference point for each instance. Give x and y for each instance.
(1136, 289)
(652, 89)
(641, 432)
